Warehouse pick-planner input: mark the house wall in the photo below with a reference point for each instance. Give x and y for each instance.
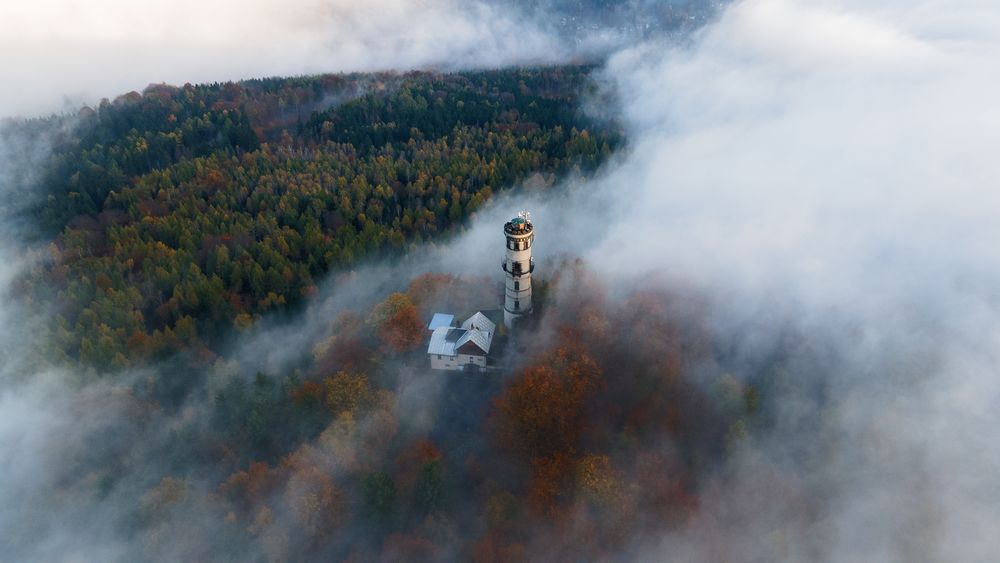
(443, 362)
(465, 359)
(455, 363)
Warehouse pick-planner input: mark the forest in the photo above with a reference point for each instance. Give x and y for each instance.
(181, 218)
(181, 213)
(599, 439)
(565, 449)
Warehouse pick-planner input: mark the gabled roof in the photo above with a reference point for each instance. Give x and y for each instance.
(479, 322)
(441, 320)
(481, 339)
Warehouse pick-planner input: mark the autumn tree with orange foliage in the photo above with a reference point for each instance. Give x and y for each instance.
(541, 416)
(542, 412)
(397, 324)
(249, 487)
(346, 392)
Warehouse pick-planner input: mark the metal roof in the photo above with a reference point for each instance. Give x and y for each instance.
(440, 320)
(439, 343)
(480, 338)
(446, 340)
(479, 321)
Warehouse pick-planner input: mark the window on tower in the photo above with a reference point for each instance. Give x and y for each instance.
(517, 305)
(517, 286)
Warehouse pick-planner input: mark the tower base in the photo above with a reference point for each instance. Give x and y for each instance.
(509, 319)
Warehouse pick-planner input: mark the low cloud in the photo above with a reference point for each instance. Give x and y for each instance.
(63, 53)
(827, 168)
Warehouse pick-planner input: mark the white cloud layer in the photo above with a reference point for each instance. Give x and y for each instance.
(835, 161)
(58, 54)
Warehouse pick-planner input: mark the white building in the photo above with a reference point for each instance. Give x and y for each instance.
(460, 348)
(517, 265)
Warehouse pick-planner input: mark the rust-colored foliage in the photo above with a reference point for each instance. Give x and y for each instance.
(250, 487)
(309, 393)
(403, 331)
(345, 353)
(139, 345)
(551, 483)
(562, 404)
(397, 324)
(542, 416)
(541, 413)
(495, 548)
(426, 291)
(346, 392)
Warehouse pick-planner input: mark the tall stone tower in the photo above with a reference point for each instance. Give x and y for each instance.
(517, 266)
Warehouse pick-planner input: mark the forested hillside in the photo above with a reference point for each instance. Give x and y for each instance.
(176, 218)
(182, 212)
(331, 464)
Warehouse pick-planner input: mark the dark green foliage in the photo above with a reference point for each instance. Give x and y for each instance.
(261, 417)
(379, 498)
(430, 487)
(430, 107)
(187, 211)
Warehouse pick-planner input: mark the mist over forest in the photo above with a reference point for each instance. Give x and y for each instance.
(766, 313)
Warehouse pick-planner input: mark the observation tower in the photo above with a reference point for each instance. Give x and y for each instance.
(517, 265)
